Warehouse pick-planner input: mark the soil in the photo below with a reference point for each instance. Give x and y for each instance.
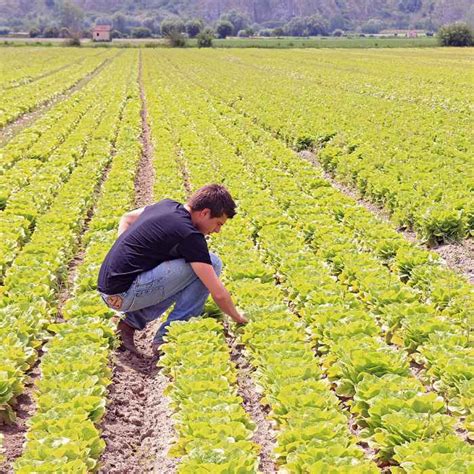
(137, 427)
(185, 173)
(14, 434)
(145, 176)
(26, 120)
(457, 256)
(264, 435)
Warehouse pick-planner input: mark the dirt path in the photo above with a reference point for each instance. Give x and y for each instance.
(184, 172)
(264, 435)
(11, 130)
(137, 427)
(145, 176)
(457, 256)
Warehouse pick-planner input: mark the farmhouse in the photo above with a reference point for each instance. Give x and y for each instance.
(101, 33)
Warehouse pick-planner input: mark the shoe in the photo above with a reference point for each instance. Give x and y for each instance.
(156, 348)
(126, 334)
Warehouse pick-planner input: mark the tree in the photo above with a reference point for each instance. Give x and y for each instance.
(456, 34)
(176, 39)
(205, 37)
(141, 32)
(34, 32)
(278, 31)
(409, 6)
(296, 27)
(372, 26)
(152, 25)
(74, 40)
(119, 23)
(71, 16)
(239, 20)
(224, 28)
(51, 32)
(103, 20)
(317, 25)
(64, 33)
(339, 22)
(193, 27)
(171, 25)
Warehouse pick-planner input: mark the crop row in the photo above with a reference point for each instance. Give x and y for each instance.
(53, 170)
(289, 366)
(38, 140)
(20, 100)
(276, 340)
(20, 67)
(446, 299)
(32, 283)
(409, 157)
(24, 155)
(407, 316)
(428, 319)
(350, 357)
(213, 430)
(71, 393)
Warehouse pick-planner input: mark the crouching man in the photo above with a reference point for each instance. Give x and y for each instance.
(161, 258)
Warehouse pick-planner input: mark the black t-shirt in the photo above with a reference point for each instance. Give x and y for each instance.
(164, 231)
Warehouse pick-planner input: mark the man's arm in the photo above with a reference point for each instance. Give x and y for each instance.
(128, 219)
(219, 294)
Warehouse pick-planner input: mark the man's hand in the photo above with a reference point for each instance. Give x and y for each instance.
(241, 319)
(219, 294)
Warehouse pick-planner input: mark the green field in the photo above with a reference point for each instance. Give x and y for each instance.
(283, 42)
(358, 355)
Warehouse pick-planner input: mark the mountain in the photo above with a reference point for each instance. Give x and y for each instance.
(340, 13)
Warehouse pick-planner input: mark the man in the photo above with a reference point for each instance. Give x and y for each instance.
(161, 258)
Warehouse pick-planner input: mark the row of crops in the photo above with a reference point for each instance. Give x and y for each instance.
(396, 126)
(31, 83)
(359, 341)
(100, 141)
(370, 306)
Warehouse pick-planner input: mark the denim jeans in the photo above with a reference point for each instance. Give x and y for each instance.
(154, 291)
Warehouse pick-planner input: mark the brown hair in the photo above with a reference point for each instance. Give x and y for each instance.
(214, 197)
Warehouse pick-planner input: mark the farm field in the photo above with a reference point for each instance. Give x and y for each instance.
(351, 255)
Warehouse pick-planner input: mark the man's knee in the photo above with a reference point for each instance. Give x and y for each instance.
(216, 263)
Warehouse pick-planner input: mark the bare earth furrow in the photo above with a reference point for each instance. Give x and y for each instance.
(264, 434)
(137, 427)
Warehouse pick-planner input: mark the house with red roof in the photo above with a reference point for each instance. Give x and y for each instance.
(102, 33)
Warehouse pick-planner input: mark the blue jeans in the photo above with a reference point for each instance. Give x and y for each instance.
(154, 291)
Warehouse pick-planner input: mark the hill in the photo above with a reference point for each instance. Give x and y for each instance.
(345, 14)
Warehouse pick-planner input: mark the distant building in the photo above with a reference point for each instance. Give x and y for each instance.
(402, 32)
(101, 33)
